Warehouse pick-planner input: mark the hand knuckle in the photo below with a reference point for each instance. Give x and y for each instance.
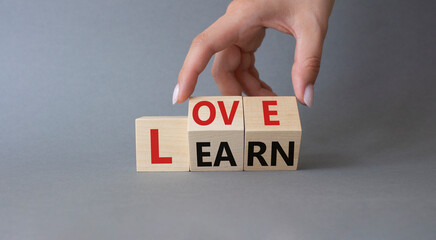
(312, 64)
(235, 6)
(200, 39)
(241, 7)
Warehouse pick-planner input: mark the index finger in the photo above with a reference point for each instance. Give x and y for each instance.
(215, 38)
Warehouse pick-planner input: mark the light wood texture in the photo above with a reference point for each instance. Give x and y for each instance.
(172, 141)
(271, 141)
(221, 142)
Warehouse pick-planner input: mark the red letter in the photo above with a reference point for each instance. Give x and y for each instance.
(154, 140)
(228, 119)
(267, 113)
(197, 108)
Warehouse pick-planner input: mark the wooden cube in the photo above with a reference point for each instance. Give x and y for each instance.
(162, 144)
(216, 133)
(272, 133)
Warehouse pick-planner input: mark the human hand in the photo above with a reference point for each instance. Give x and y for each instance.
(235, 37)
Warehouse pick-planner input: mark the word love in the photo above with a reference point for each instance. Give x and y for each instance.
(222, 134)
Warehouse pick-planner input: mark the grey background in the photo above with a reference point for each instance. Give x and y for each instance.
(75, 74)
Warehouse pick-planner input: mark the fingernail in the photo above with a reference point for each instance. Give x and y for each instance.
(176, 94)
(308, 95)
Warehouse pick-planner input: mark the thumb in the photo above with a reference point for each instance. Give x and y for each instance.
(307, 61)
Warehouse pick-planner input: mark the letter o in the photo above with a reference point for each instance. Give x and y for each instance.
(197, 109)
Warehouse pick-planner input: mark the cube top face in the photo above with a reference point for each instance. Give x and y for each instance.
(216, 114)
(162, 144)
(271, 114)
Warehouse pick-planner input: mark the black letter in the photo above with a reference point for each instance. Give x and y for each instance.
(201, 154)
(276, 147)
(219, 156)
(258, 155)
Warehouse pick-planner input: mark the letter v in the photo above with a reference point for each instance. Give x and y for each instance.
(228, 119)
